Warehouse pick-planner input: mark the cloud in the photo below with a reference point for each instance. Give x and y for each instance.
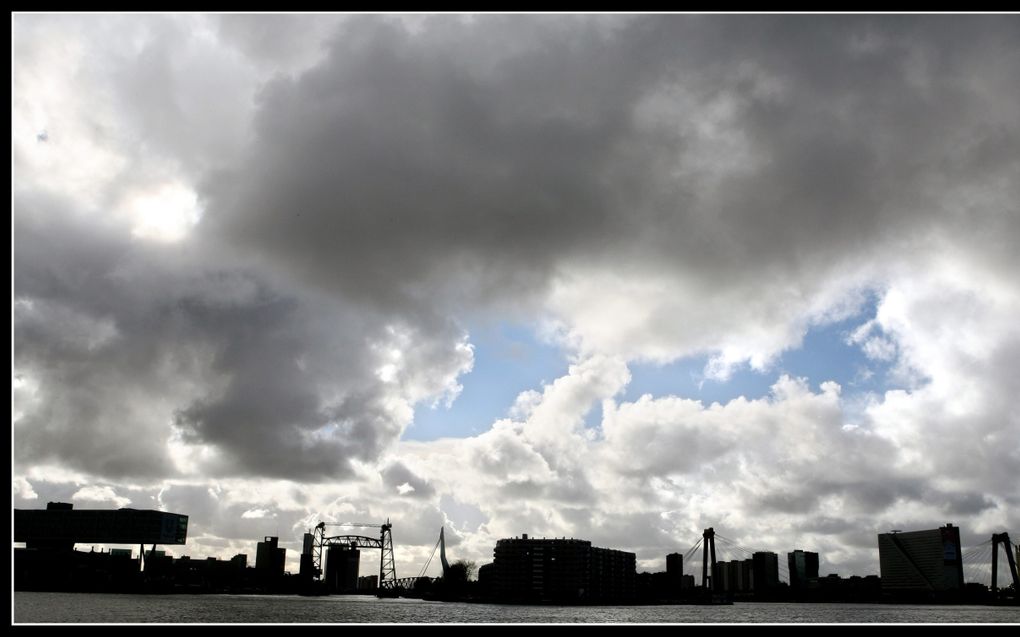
(402, 479)
(280, 43)
(140, 343)
(758, 471)
(764, 189)
(251, 245)
(875, 347)
(256, 514)
(23, 490)
(102, 495)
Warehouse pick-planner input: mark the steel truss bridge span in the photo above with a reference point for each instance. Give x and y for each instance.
(354, 541)
(387, 567)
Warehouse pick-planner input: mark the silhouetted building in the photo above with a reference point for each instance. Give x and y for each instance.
(270, 559)
(652, 587)
(184, 574)
(49, 561)
(562, 570)
(486, 578)
(921, 561)
(732, 577)
(834, 588)
(766, 571)
(721, 577)
(612, 574)
(61, 526)
(70, 570)
(674, 573)
(342, 564)
(154, 557)
(306, 569)
(743, 576)
(803, 570)
(368, 583)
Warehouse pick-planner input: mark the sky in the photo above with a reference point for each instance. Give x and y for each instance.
(612, 277)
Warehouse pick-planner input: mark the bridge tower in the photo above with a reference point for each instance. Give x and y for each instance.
(706, 571)
(1008, 547)
(387, 567)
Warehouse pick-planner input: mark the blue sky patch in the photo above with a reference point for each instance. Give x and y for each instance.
(509, 359)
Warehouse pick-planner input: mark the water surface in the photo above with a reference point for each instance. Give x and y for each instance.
(259, 609)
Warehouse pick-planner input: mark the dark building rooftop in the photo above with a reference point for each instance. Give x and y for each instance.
(61, 524)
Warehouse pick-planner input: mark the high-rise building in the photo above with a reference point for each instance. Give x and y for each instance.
(803, 569)
(766, 571)
(342, 565)
(306, 568)
(918, 561)
(744, 576)
(720, 577)
(307, 564)
(674, 573)
(612, 574)
(561, 570)
(732, 577)
(270, 559)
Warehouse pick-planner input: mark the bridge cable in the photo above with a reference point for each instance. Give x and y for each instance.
(429, 561)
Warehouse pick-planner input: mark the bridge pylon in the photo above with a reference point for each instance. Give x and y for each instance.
(708, 546)
(1008, 546)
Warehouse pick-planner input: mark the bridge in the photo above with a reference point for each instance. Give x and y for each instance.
(388, 580)
(409, 583)
(978, 558)
(979, 564)
(387, 567)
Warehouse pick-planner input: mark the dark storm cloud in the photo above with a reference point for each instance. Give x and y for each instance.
(123, 341)
(883, 118)
(406, 164)
(964, 504)
(451, 162)
(397, 475)
(67, 340)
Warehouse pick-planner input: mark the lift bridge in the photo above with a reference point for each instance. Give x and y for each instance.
(388, 580)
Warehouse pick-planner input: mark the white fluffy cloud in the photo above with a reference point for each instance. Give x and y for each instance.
(92, 495)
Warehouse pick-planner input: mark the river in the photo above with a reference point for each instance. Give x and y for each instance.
(270, 609)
